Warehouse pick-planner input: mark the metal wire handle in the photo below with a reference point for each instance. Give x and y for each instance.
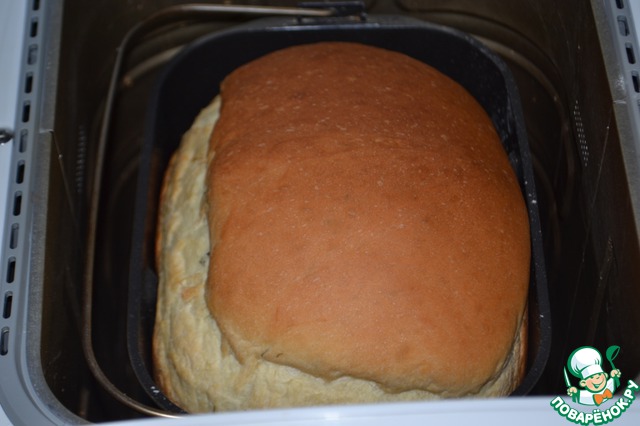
(172, 14)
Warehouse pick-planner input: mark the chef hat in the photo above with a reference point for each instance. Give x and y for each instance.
(584, 362)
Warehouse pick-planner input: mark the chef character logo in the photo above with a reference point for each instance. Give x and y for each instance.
(595, 392)
(585, 363)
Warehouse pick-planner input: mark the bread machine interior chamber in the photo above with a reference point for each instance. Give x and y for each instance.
(581, 133)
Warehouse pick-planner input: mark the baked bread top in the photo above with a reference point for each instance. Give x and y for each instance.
(364, 221)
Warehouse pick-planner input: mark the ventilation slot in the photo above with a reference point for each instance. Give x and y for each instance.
(636, 81)
(13, 238)
(32, 54)
(631, 56)
(28, 83)
(17, 203)
(11, 270)
(623, 26)
(4, 341)
(33, 31)
(6, 310)
(26, 111)
(23, 141)
(20, 172)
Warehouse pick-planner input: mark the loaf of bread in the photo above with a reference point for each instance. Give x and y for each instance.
(341, 225)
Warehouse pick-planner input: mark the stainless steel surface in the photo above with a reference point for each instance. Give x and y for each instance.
(12, 22)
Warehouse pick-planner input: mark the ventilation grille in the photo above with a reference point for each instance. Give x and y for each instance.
(627, 18)
(15, 226)
(580, 134)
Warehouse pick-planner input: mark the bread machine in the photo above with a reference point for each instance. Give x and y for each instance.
(79, 80)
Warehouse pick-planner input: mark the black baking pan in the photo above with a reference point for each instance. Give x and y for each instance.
(191, 80)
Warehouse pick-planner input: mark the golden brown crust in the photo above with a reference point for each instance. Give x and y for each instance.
(194, 365)
(364, 221)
